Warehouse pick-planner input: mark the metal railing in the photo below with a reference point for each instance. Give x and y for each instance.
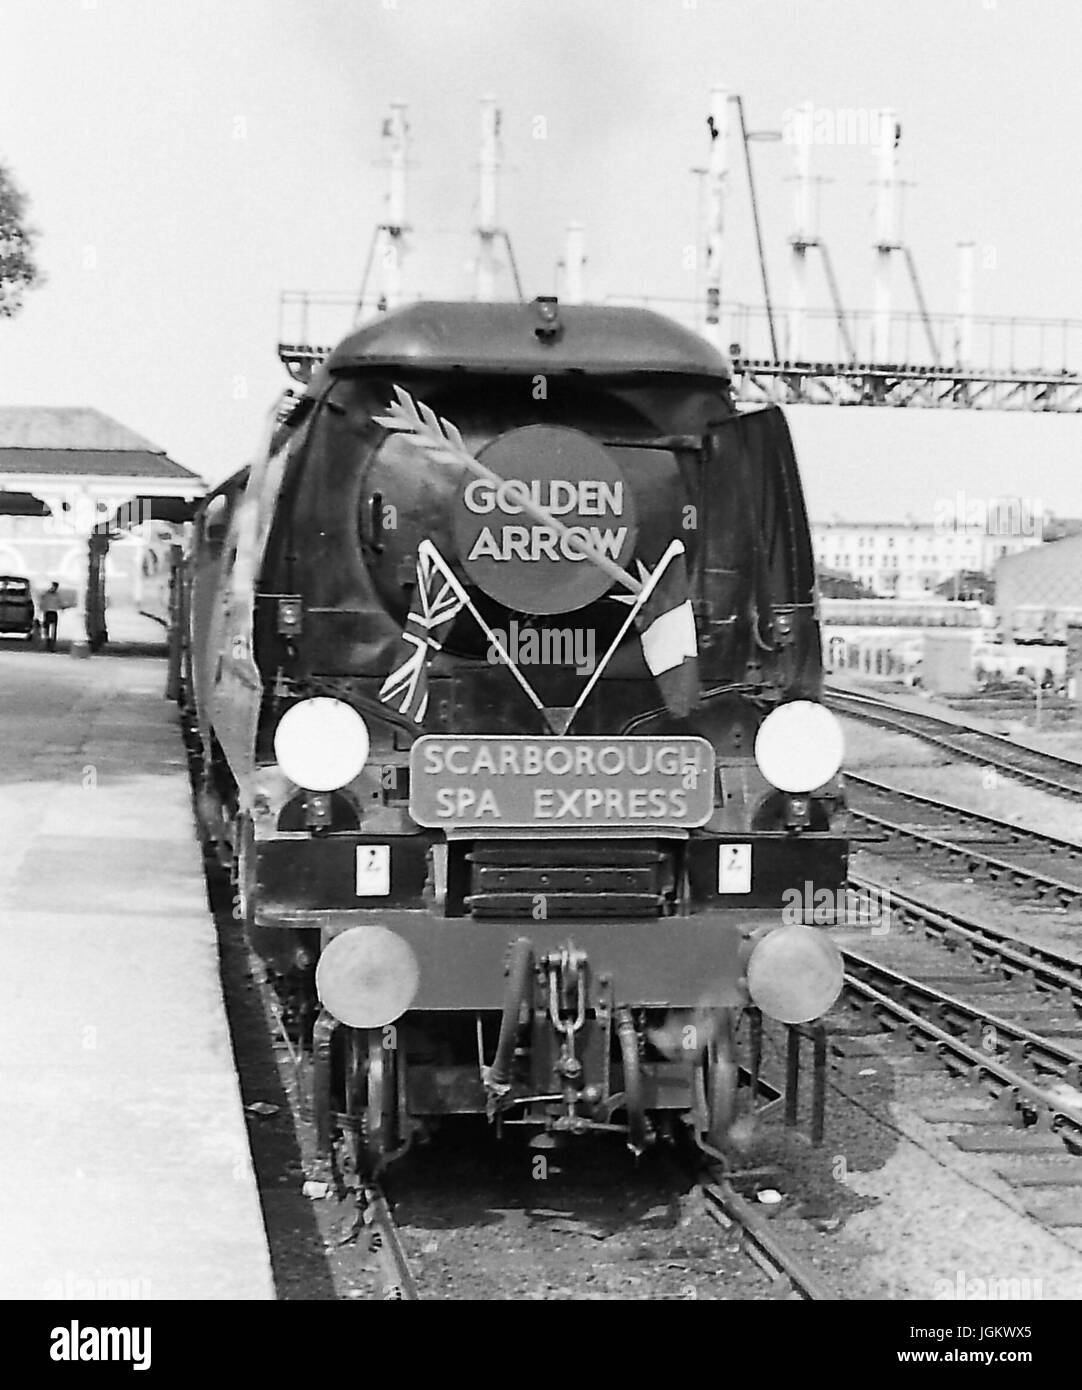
(1010, 344)
(1006, 344)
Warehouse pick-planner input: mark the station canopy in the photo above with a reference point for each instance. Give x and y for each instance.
(79, 463)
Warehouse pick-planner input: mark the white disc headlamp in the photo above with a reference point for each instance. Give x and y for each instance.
(321, 744)
(367, 976)
(799, 746)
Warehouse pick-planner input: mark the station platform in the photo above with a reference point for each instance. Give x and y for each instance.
(123, 1153)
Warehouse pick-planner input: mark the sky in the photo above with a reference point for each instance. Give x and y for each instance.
(188, 160)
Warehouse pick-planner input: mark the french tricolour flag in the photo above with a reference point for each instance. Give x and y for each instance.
(666, 627)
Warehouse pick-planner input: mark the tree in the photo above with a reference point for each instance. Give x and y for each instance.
(18, 269)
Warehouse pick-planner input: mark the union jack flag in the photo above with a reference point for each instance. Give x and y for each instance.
(438, 599)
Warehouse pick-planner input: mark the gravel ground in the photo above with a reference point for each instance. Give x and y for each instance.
(581, 1223)
(937, 1210)
(920, 1209)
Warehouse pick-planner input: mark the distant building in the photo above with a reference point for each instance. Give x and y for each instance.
(909, 560)
(1039, 594)
(1058, 528)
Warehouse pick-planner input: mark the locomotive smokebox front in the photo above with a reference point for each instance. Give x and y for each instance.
(542, 526)
(521, 540)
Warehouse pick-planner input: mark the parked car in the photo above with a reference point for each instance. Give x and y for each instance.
(16, 606)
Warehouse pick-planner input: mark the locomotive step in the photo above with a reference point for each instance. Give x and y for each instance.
(562, 879)
(601, 853)
(560, 905)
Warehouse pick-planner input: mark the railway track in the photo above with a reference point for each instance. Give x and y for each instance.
(1009, 1055)
(791, 1277)
(385, 1242)
(1005, 1020)
(1001, 1015)
(1047, 771)
(1042, 969)
(1010, 1112)
(1008, 855)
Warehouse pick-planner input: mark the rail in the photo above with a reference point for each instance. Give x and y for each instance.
(1046, 771)
(794, 1277)
(1000, 870)
(398, 1281)
(1044, 969)
(893, 999)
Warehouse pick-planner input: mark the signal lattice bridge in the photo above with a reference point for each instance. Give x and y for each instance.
(930, 362)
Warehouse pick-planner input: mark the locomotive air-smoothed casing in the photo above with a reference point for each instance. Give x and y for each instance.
(306, 585)
(653, 908)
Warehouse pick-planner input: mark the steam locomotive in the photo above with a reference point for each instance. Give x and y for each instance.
(506, 665)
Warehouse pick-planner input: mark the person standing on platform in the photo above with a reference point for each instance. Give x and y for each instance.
(50, 613)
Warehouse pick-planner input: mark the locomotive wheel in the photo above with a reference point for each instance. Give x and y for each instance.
(355, 1088)
(381, 1121)
(719, 1078)
(370, 1092)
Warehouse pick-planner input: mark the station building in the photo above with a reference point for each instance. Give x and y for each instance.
(88, 502)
